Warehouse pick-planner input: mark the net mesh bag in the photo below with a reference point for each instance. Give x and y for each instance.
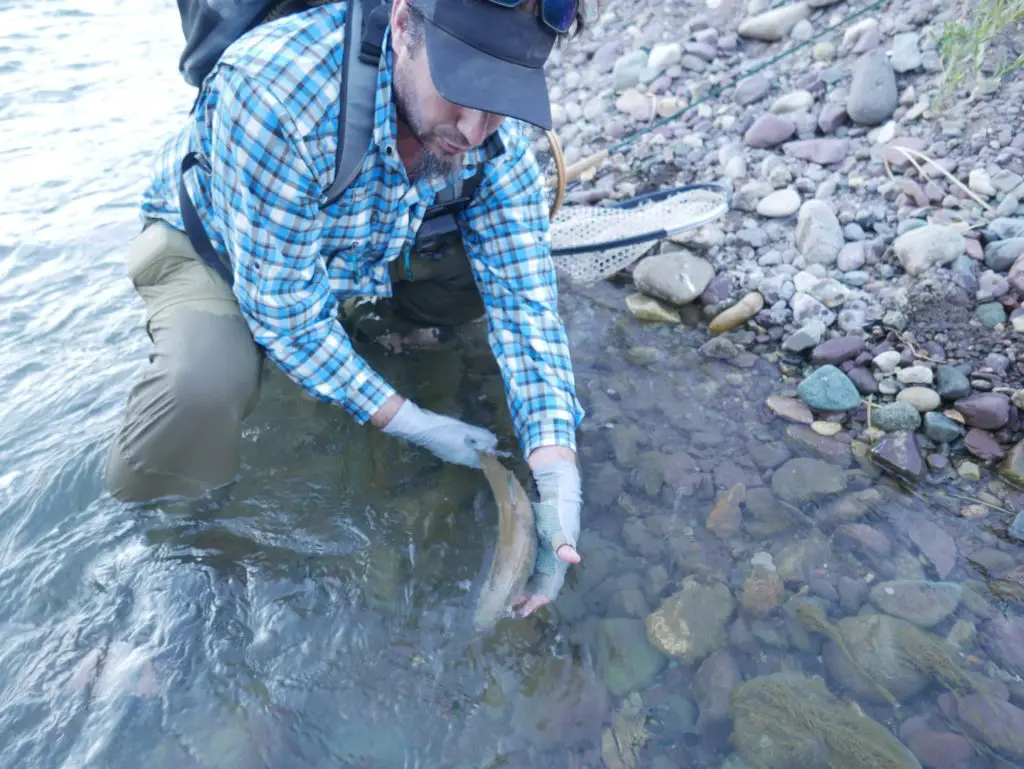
(591, 243)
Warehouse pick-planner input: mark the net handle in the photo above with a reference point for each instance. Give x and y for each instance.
(560, 175)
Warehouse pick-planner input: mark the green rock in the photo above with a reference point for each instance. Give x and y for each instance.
(625, 659)
(829, 389)
(941, 428)
(1013, 466)
(896, 416)
(991, 314)
(925, 604)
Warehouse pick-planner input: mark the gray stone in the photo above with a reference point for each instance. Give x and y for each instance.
(952, 383)
(829, 389)
(941, 428)
(806, 308)
(806, 337)
(1001, 254)
(862, 379)
(992, 285)
(625, 660)
(921, 398)
(821, 151)
(899, 454)
(627, 70)
(831, 117)
(775, 24)
(925, 604)
(852, 257)
(925, 247)
(982, 445)
(769, 131)
(690, 624)
(873, 95)
(752, 89)
(1005, 228)
(804, 479)
(905, 56)
(893, 417)
(677, 277)
(819, 236)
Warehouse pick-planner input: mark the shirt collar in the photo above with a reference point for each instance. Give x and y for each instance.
(385, 123)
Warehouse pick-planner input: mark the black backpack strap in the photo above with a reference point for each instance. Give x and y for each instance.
(194, 225)
(358, 90)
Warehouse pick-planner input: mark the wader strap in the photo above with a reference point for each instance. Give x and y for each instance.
(194, 226)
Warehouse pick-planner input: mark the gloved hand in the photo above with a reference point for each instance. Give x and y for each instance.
(450, 439)
(558, 528)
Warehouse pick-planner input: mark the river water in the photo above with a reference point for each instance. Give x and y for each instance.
(317, 616)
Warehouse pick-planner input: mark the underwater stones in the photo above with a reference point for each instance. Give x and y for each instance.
(625, 660)
(898, 453)
(690, 624)
(714, 682)
(1012, 467)
(996, 722)
(790, 408)
(762, 591)
(788, 720)
(876, 642)
(829, 389)
(924, 603)
(935, 543)
(1004, 642)
(803, 479)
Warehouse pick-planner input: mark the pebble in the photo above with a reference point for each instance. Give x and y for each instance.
(806, 337)
(745, 309)
(821, 151)
(774, 25)
(873, 96)
(895, 416)
(829, 389)
(829, 429)
(752, 89)
(905, 55)
(779, 204)
(921, 398)
(932, 245)
(769, 131)
(991, 314)
(647, 308)
(798, 101)
(676, 277)
(837, 351)
(941, 428)
(790, 408)
(887, 361)
(915, 375)
(1001, 254)
(819, 236)
(952, 383)
(970, 471)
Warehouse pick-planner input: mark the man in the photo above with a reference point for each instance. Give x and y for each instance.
(265, 124)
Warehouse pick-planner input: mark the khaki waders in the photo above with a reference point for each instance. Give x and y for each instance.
(181, 433)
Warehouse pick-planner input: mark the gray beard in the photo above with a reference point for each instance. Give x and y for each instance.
(430, 166)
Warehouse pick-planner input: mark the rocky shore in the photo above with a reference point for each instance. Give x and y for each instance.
(803, 538)
(875, 247)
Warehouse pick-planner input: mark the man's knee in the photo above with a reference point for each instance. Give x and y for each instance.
(182, 427)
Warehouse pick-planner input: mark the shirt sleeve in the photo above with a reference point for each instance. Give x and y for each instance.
(507, 238)
(266, 198)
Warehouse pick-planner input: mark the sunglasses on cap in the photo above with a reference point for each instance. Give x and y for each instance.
(556, 14)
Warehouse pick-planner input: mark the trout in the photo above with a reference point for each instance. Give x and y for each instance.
(516, 550)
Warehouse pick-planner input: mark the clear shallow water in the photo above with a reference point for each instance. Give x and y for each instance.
(317, 617)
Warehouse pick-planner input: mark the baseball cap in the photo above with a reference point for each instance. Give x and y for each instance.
(490, 57)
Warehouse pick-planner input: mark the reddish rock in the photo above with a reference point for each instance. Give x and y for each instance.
(821, 151)
(836, 351)
(864, 537)
(940, 750)
(982, 445)
(998, 724)
(989, 411)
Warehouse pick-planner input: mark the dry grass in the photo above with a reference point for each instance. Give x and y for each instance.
(974, 59)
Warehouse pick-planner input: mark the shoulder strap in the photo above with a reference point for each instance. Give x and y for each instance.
(358, 87)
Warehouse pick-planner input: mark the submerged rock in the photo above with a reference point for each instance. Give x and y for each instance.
(791, 721)
(829, 389)
(925, 604)
(997, 723)
(625, 660)
(803, 479)
(690, 624)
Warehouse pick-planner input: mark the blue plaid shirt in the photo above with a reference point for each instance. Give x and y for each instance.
(267, 124)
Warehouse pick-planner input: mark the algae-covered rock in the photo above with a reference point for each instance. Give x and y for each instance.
(690, 624)
(924, 603)
(625, 659)
(896, 654)
(792, 721)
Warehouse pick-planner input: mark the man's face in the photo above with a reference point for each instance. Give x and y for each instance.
(445, 130)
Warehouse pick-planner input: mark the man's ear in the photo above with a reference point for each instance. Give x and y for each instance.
(399, 23)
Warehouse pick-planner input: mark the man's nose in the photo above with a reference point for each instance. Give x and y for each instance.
(476, 125)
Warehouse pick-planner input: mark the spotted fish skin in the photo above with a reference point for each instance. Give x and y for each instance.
(516, 550)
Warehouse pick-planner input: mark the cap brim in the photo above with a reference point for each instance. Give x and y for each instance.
(466, 76)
